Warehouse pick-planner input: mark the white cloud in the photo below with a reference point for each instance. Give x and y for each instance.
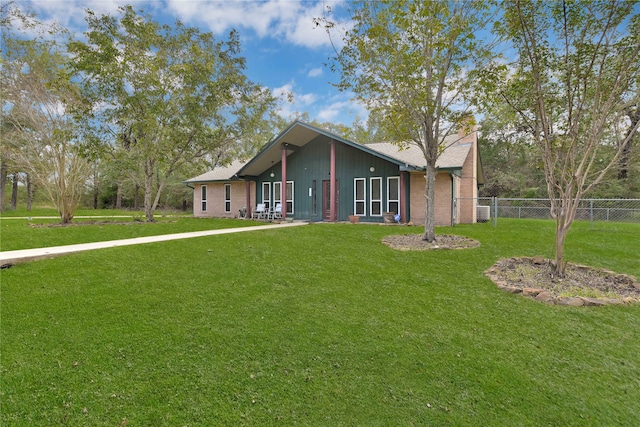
(278, 22)
(315, 72)
(71, 14)
(284, 19)
(333, 110)
(292, 102)
(342, 109)
(305, 99)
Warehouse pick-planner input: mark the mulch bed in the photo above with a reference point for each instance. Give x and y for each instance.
(531, 277)
(414, 242)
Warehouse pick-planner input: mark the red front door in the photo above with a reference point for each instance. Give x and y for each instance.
(326, 200)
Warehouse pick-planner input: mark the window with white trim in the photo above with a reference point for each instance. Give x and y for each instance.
(266, 194)
(375, 196)
(289, 197)
(359, 196)
(393, 194)
(277, 193)
(227, 197)
(203, 198)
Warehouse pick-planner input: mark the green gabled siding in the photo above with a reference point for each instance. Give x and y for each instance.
(312, 163)
(352, 163)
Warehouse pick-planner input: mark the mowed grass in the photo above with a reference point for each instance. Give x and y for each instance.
(18, 234)
(41, 210)
(316, 325)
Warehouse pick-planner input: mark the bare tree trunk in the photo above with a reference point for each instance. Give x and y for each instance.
(148, 188)
(564, 215)
(429, 210)
(95, 197)
(30, 191)
(157, 198)
(66, 211)
(135, 197)
(3, 183)
(14, 191)
(119, 196)
(623, 162)
(561, 235)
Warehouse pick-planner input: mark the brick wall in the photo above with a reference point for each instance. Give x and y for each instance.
(216, 201)
(465, 188)
(468, 192)
(418, 201)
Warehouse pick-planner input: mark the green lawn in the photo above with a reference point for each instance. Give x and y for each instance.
(26, 234)
(316, 325)
(43, 210)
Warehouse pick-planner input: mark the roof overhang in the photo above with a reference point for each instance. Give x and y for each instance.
(202, 181)
(226, 173)
(457, 171)
(294, 137)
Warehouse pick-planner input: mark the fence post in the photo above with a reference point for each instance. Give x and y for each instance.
(495, 212)
(591, 212)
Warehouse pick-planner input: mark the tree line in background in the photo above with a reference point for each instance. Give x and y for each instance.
(139, 106)
(143, 104)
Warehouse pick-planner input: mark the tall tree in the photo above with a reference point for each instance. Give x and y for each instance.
(633, 113)
(411, 62)
(37, 98)
(575, 76)
(8, 14)
(511, 165)
(163, 97)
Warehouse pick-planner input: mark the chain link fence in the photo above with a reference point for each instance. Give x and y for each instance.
(614, 210)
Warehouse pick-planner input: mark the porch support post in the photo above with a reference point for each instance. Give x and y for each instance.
(453, 200)
(333, 215)
(283, 185)
(247, 197)
(403, 197)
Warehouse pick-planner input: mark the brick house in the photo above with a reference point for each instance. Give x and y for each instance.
(365, 180)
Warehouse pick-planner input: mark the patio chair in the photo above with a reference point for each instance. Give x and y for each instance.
(259, 212)
(277, 212)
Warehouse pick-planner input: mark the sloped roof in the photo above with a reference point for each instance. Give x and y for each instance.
(220, 173)
(452, 157)
(409, 157)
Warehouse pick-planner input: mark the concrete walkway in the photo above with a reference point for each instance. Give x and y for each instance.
(13, 257)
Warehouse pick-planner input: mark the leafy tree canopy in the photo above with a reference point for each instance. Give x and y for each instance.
(166, 96)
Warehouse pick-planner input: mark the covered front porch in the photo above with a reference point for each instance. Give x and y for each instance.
(327, 178)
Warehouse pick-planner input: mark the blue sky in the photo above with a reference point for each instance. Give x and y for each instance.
(284, 50)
